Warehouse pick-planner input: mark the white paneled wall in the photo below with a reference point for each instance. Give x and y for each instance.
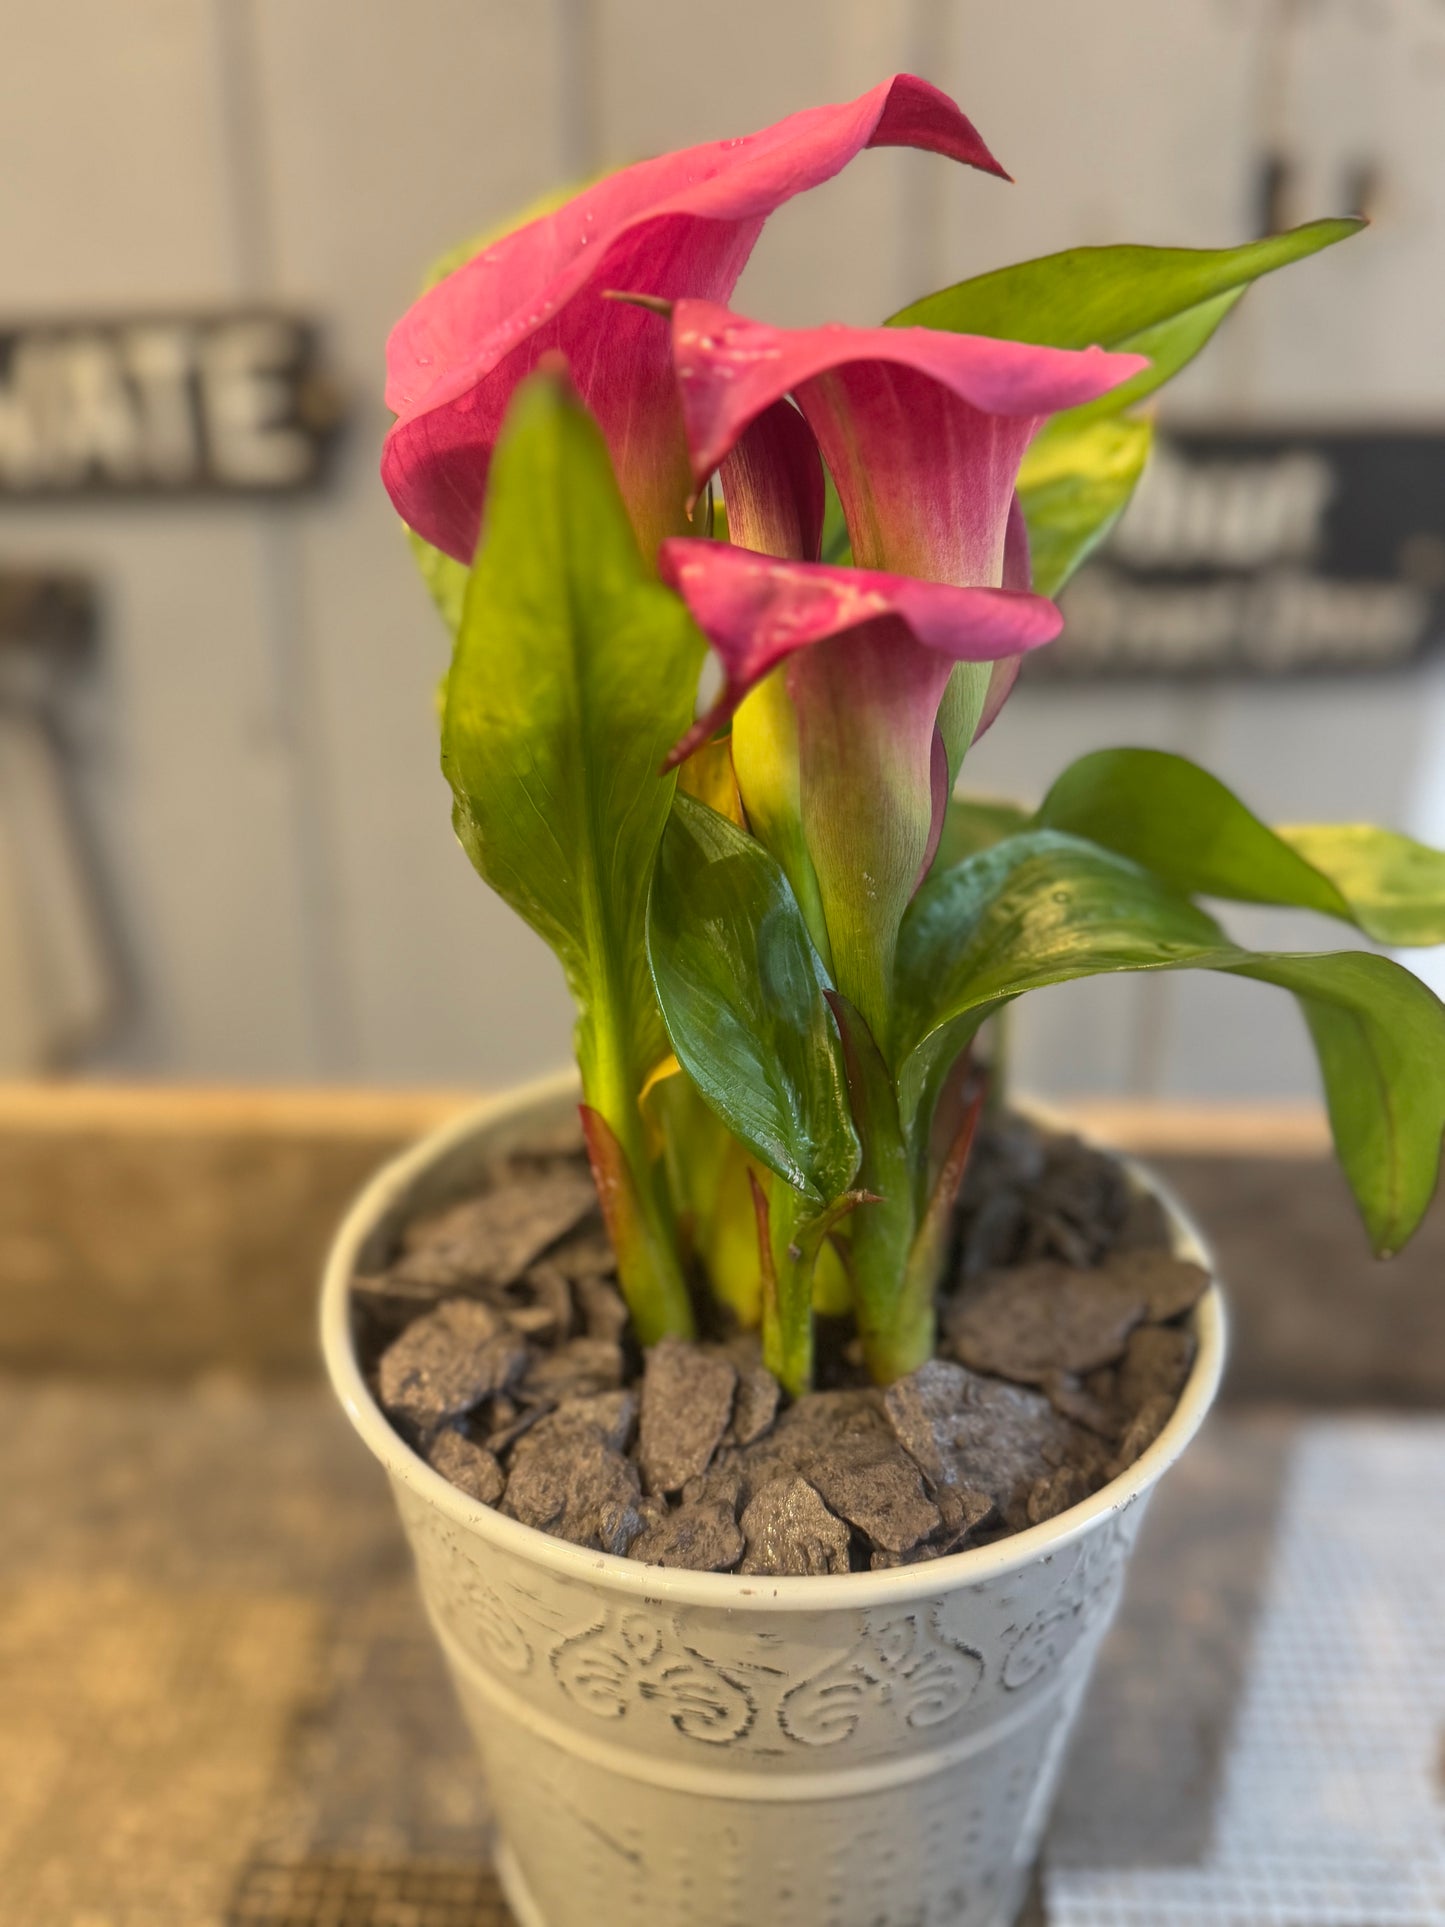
(257, 753)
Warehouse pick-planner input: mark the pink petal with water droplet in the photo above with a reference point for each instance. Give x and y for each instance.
(684, 223)
(756, 611)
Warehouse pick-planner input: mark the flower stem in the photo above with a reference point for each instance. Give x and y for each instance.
(649, 1269)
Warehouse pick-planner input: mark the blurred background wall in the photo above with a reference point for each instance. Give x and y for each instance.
(249, 761)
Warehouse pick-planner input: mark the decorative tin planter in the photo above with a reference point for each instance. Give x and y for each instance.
(707, 1750)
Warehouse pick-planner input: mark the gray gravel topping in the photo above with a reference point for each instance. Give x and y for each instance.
(756, 1405)
(967, 1430)
(789, 1530)
(1034, 1320)
(1156, 1364)
(703, 1538)
(492, 1239)
(521, 1378)
(569, 1481)
(470, 1467)
(448, 1362)
(687, 1400)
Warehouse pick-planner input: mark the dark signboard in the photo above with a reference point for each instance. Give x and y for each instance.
(163, 403)
(1266, 552)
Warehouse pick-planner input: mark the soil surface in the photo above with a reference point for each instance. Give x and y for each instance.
(498, 1345)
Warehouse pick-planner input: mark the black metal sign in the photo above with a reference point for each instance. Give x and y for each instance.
(1267, 552)
(160, 403)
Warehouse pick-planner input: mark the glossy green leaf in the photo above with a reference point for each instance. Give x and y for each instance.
(1115, 297)
(1182, 823)
(1046, 908)
(742, 993)
(1395, 887)
(1075, 483)
(1164, 303)
(973, 823)
(573, 674)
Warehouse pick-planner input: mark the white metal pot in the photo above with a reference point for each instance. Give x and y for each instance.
(708, 1750)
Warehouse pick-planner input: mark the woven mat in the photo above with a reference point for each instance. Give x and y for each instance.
(220, 1707)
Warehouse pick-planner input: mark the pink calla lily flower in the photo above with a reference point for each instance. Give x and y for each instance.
(684, 223)
(756, 611)
(923, 433)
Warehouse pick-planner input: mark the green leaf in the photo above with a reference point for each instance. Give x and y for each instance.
(1164, 303)
(742, 993)
(1075, 483)
(974, 823)
(1047, 908)
(1395, 886)
(1115, 297)
(1052, 904)
(1182, 823)
(574, 672)
(446, 580)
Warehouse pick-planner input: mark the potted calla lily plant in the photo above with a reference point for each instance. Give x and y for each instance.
(770, 1408)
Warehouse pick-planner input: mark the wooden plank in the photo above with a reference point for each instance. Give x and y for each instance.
(195, 1110)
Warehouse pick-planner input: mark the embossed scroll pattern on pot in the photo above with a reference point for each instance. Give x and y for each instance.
(907, 1669)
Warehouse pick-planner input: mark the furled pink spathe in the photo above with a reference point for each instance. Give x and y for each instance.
(683, 224)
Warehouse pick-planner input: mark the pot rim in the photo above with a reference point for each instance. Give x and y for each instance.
(727, 1591)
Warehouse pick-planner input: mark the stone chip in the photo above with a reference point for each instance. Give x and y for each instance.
(470, 1467)
(601, 1305)
(446, 1363)
(491, 1240)
(575, 1485)
(789, 1530)
(869, 1480)
(1155, 1365)
(1055, 1492)
(687, 1400)
(1169, 1286)
(1145, 1426)
(580, 1366)
(698, 1538)
(963, 1429)
(756, 1404)
(1034, 1320)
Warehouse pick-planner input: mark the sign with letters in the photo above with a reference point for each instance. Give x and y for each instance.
(1269, 552)
(163, 404)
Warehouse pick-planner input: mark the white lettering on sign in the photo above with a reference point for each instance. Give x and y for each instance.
(187, 403)
(1226, 513)
(1283, 619)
